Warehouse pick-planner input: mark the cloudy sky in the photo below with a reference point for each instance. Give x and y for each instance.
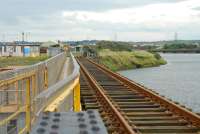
(126, 20)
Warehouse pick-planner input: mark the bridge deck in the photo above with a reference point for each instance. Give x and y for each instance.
(142, 112)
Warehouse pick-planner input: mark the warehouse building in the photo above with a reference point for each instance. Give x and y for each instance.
(15, 49)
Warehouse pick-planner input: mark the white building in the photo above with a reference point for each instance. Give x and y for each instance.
(12, 49)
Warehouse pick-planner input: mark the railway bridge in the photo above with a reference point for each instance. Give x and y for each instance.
(45, 98)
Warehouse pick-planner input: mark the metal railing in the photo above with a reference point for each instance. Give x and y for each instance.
(54, 96)
(27, 92)
(16, 98)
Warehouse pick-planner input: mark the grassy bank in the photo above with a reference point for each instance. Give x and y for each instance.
(20, 61)
(121, 60)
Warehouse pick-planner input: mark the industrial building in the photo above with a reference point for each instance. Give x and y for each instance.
(22, 49)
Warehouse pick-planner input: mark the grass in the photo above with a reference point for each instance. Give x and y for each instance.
(21, 61)
(121, 60)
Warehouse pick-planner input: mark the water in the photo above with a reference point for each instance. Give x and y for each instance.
(179, 80)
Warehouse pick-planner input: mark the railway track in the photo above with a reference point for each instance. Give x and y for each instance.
(128, 108)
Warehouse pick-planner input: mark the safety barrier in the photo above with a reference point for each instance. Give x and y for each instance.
(55, 95)
(27, 92)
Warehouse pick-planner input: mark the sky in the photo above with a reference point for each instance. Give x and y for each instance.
(121, 20)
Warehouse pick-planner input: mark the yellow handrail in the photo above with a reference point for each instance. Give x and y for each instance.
(17, 78)
(52, 107)
(23, 130)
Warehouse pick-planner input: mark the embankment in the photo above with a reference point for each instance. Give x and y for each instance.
(123, 60)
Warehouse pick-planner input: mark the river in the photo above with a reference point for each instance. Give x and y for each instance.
(178, 80)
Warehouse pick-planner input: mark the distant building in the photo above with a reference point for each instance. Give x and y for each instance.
(45, 45)
(16, 49)
(77, 50)
(86, 51)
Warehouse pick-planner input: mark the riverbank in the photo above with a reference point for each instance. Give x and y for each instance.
(20, 61)
(123, 60)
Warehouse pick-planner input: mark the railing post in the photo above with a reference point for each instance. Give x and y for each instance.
(46, 77)
(33, 92)
(77, 100)
(17, 93)
(28, 105)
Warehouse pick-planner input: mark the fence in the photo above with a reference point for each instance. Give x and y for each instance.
(26, 92)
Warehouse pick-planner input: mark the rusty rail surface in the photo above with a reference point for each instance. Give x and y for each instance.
(137, 108)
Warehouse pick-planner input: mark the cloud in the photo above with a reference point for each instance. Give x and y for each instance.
(180, 12)
(163, 17)
(77, 19)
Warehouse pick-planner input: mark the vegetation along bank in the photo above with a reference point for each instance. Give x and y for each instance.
(20, 61)
(121, 56)
(122, 60)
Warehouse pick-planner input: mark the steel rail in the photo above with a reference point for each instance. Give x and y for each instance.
(193, 118)
(106, 102)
